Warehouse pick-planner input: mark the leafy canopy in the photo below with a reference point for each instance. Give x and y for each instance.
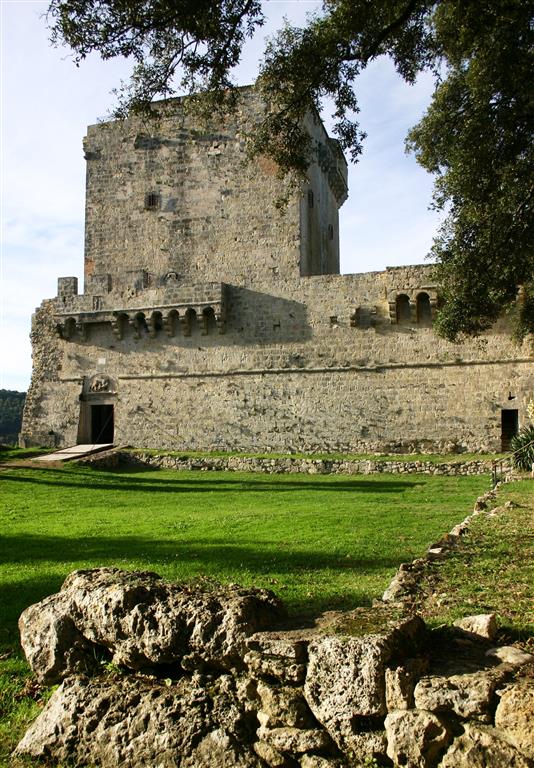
(476, 136)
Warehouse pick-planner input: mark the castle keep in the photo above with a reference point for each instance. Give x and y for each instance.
(211, 320)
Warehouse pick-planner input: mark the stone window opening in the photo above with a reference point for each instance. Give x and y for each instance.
(424, 309)
(330, 231)
(403, 310)
(171, 322)
(152, 201)
(334, 321)
(311, 200)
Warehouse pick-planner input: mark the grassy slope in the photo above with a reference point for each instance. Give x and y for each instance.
(491, 571)
(319, 541)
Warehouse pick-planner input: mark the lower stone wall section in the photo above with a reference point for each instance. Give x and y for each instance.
(276, 466)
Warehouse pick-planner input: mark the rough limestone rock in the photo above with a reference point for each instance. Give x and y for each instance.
(404, 582)
(279, 655)
(295, 741)
(135, 723)
(509, 654)
(51, 641)
(416, 738)
(346, 676)
(141, 622)
(484, 624)
(314, 761)
(514, 716)
(272, 756)
(283, 706)
(470, 695)
(365, 746)
(401, 682)
(482, 748)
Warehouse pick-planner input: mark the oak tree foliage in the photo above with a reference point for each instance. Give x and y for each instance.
(476, 136)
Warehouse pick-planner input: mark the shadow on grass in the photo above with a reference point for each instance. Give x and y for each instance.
(226, 561)
(120, 481)
(218, 554)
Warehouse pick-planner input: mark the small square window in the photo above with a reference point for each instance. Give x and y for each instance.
(152, 201)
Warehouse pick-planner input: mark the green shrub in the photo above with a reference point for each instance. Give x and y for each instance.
(522, 446)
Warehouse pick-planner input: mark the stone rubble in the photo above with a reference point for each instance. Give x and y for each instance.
(169, 687)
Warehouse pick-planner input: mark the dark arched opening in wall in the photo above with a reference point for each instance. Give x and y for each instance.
(509, 427)
(191, 326)
(403, 308)
(156, 323)
(208, 321)
(424, 310)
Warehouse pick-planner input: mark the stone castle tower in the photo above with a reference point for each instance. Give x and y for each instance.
(211, 320)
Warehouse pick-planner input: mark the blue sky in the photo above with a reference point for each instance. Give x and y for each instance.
(46, 104)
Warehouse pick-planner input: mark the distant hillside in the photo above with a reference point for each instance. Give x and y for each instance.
(11, 405)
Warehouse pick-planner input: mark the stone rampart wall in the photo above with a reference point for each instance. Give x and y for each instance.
(289, 373)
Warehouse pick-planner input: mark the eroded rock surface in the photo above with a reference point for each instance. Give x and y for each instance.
(137, 723)
(140, 622)
(196, 683)
(416, 738)
(483, 748)
(514, 716)
(345, 680)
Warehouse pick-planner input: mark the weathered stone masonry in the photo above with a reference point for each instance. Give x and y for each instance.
(211, 320)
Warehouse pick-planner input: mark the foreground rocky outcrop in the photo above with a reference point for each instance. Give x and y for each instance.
(155, 674)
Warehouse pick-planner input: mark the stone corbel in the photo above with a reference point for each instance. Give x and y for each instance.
(134, 325)
(81, 329)
(185, 326)
(169, 325)
(116, 327)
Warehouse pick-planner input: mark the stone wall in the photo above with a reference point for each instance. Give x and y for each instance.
(278, 466)
(206, 313)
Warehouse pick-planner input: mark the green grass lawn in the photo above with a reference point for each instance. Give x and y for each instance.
(318, 541)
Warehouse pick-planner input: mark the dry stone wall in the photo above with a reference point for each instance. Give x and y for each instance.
(151, 674)
(278, 466)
